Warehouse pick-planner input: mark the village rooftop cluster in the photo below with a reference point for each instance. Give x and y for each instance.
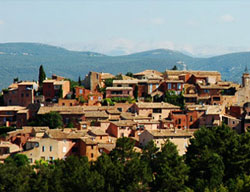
(96, 111)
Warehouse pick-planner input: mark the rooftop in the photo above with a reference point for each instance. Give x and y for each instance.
(156, 105)
(170, 133)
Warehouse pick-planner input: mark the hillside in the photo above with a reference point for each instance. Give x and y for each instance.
(22, 60)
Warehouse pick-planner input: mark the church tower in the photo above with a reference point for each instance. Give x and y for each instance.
(246, 78)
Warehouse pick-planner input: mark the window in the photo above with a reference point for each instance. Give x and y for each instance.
(64, 150)
(101, 137)
(42, 157)
(92, 146)
(179, 121)
(63, 104)
(99, 98)
(179, 86)
(150, 88)
(50, 148)
(206, 90)
(169, 85)
(91, 98)
(157, 85)
(22, 95)
(27, 94)
(157, 110)
(92, 155)
(43, 148)
(80, 91)
(191, 118)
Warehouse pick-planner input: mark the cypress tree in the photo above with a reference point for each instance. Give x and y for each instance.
(42, 75)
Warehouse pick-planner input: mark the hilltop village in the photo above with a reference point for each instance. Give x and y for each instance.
(57, 117)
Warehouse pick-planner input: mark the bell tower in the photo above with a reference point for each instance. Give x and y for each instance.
(246, 78)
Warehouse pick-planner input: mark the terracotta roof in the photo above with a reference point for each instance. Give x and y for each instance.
(96, 114)
(107, 76)
(197, 107)
(64, 109)
(11, 108)
(97, 132)
(174, 81)
(152, 105)
(13, 86)
(60, 134)
(49, 81)
(122, 123)
(148, 72)
(119, 88)
(214, 110)
(27, 83)
(160, 93)
(98, 108)
(127, 116)
(212, 86)
(129, 81)
(113, 111)
(89, 141)
(170, 133)
(177, 72)
(107, 146)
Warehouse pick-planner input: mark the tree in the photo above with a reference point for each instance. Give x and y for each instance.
(79, 81)
(174, 68)
(42, 75)
(171, 97)
(214, 157)
(52, 120)
(108, 82)
(135, 92)
(130, 74)
(169, 169)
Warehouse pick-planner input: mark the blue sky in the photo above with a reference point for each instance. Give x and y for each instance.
(201, 27)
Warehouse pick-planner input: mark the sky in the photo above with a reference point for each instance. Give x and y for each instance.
(117, 27)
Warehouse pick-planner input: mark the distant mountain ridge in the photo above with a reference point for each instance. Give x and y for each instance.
(22, 60)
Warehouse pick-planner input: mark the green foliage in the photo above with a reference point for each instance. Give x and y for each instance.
(174, 68)
(118, 77)
(52, 120)
(130, 74)
(135, 92)
(217, 160)
(107, 102)
(171, 97)
(60, 92)
(18, 159)
(4, 130)
(122, 100)
(1, 100)
(72, 63)
(108, 82)
(79, 81)
(170, 169)
(42, 75)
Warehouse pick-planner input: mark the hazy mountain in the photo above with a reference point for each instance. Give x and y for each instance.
(22, 60)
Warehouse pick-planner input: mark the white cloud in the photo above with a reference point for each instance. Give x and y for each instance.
(227, 18)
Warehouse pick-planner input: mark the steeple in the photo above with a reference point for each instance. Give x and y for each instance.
(246, 78)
